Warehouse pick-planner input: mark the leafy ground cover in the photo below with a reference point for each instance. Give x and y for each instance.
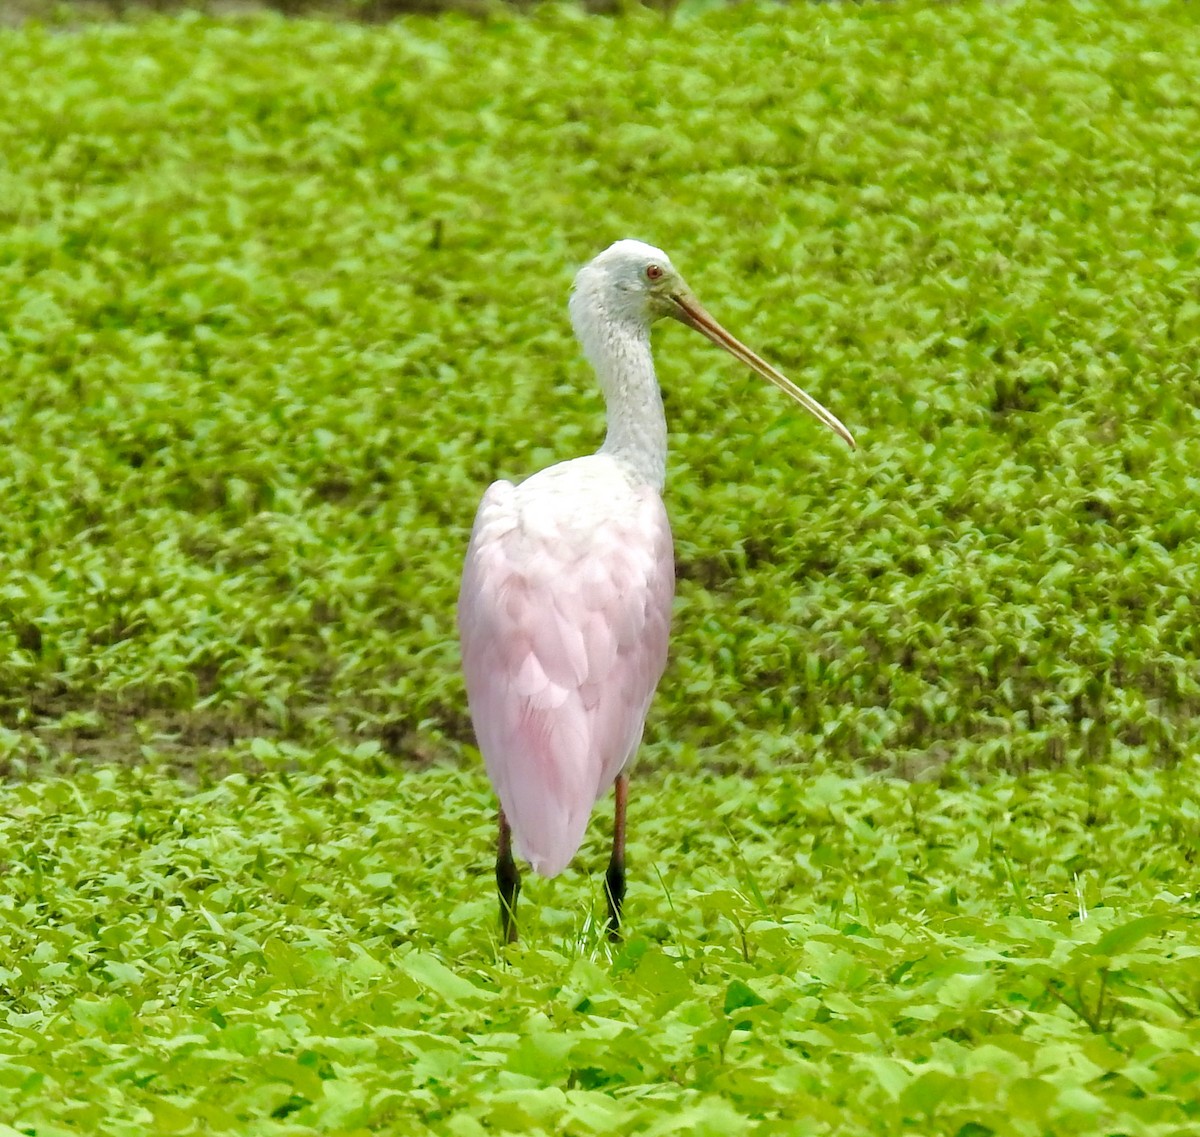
(280, 299)
(277, 300)
(311, 953)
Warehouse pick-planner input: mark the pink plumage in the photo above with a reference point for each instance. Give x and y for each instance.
(566, 593)
(564, 614)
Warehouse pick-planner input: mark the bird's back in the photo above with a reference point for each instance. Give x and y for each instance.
(564, 614)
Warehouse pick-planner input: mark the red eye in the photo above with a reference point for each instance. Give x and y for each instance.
(653, 272)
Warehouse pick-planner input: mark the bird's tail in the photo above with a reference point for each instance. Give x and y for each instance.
(548, 795)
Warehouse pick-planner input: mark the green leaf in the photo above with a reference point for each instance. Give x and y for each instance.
(1126, 936)
(439, 979)
(738, 995)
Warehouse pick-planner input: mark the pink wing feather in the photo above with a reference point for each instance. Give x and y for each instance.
(564, 619)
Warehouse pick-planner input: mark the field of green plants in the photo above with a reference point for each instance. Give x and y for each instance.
(914, 835)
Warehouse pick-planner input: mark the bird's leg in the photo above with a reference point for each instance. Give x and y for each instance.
(614, 879)
(508, 882)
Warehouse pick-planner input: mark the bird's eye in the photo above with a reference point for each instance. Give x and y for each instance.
(654, 272)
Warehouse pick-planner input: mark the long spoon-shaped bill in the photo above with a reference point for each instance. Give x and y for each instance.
(689, 310)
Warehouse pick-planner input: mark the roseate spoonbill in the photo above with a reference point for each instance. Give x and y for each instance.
(566, 592)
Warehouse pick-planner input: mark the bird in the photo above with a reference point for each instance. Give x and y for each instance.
(564, 608)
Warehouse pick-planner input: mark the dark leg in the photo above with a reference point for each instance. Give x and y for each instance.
(614, 879)
(508, 882)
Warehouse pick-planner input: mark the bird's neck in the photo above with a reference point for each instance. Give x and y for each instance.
(637, 427)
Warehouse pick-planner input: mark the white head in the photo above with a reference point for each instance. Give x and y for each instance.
(632, 284)
(629, 281)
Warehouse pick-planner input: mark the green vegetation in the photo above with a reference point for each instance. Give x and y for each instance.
(314, 953)
(278, 300)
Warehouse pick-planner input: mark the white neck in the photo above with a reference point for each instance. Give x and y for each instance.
(619, 350)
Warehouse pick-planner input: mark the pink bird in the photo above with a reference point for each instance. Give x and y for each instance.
(565, 605)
